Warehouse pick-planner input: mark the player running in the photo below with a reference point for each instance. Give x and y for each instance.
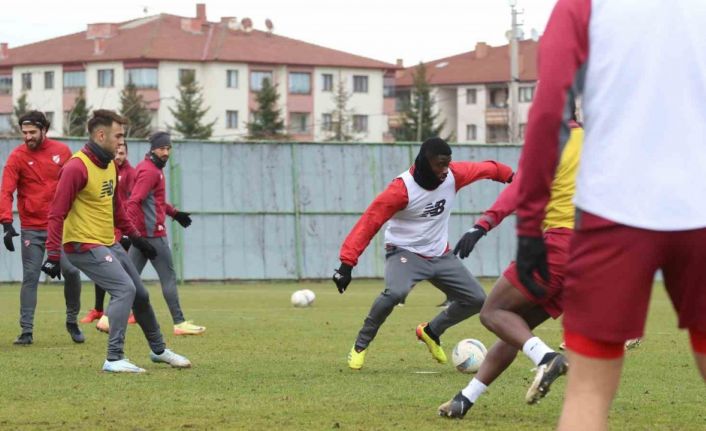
(82, 220)
(418, 205)
(510, 311)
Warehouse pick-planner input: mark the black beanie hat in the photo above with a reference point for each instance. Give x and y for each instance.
(423, 174)
(160, 139)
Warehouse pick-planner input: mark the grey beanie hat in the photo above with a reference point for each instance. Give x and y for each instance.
(160, 139)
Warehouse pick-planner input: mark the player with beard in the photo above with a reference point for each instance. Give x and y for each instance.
(33, 171)
(418, 205)
(126, 177)
(148, 209)
(82, 220)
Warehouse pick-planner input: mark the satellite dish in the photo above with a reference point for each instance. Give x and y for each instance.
(534, 35)
(269, 25)
(247, 24)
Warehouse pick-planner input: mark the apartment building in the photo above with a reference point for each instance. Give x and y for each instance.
(230, 59)
(471, 91)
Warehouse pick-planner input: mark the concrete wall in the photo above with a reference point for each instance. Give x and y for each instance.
(282, 210)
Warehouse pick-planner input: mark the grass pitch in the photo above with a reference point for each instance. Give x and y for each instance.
(263, 364)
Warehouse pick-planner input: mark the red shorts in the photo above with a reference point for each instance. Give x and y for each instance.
(611, 271)
(557, 243)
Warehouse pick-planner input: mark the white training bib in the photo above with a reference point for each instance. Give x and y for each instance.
(423, 226)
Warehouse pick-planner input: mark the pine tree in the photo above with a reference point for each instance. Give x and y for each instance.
(134, 108)
(421, 105)
(341, 116)
(266, 123)
(77, 117)
(189, 113)
(21, 108)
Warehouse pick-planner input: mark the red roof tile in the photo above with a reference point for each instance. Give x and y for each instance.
(467, 68)
(167, 37)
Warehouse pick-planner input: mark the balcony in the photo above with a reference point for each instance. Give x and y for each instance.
(497, 116)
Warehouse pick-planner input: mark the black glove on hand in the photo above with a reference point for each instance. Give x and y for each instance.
(10, 232)
(531, 257)
(52, 267)
(183, 218)
(145, 247)
(342, 277)
(125, 242)
(465, 245)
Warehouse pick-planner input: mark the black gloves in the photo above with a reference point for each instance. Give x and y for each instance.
(52, 267)
(465, 245)
(145, 247)
(183, 218)
(10, 232)
(125, 242)
(531, 256)
(342, 277)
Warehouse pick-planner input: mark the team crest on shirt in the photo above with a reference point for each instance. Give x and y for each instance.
(109, 258)
(27, 243)
(403, 259)
(56, 158)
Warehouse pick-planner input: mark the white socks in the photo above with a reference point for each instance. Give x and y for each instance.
(474, 390)
(535, 349)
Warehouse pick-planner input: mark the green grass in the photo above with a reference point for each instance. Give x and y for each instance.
(263, 365)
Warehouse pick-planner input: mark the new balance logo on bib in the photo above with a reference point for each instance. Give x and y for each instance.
(434, 209)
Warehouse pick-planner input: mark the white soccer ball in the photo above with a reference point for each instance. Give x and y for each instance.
(310, 295)
(468, 355)
(301, 299)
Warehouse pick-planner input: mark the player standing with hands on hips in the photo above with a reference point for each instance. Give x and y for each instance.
(418, 205)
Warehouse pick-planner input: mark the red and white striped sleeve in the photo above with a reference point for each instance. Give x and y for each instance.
(393, 199)
(563, 50)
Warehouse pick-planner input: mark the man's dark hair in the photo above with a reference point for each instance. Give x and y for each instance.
(104, 118)
(34, 118)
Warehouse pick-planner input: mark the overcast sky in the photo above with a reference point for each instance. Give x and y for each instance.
(414, 30)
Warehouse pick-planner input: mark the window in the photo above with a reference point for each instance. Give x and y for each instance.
(186, 73)
(496, 134)
(360, 123)
(471, 132)
(327, 82)
(26, 81)
(231, 119)
(388, 86)
(6, 84)
(232, 78)
(298, 122)
(257, 78)
(50, 118)
(5, 123)
(526, 94)
(255, 117)
(360, 84)
(48, 80)
(523, 128)
(403, 98)
(105, 78)
(76, 79)
(471, 95)
(142, 77)
(327, 122)
(498, 98)
(299, 83)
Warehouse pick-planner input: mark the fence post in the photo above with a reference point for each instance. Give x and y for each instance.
(297, 210)
(176, 232)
